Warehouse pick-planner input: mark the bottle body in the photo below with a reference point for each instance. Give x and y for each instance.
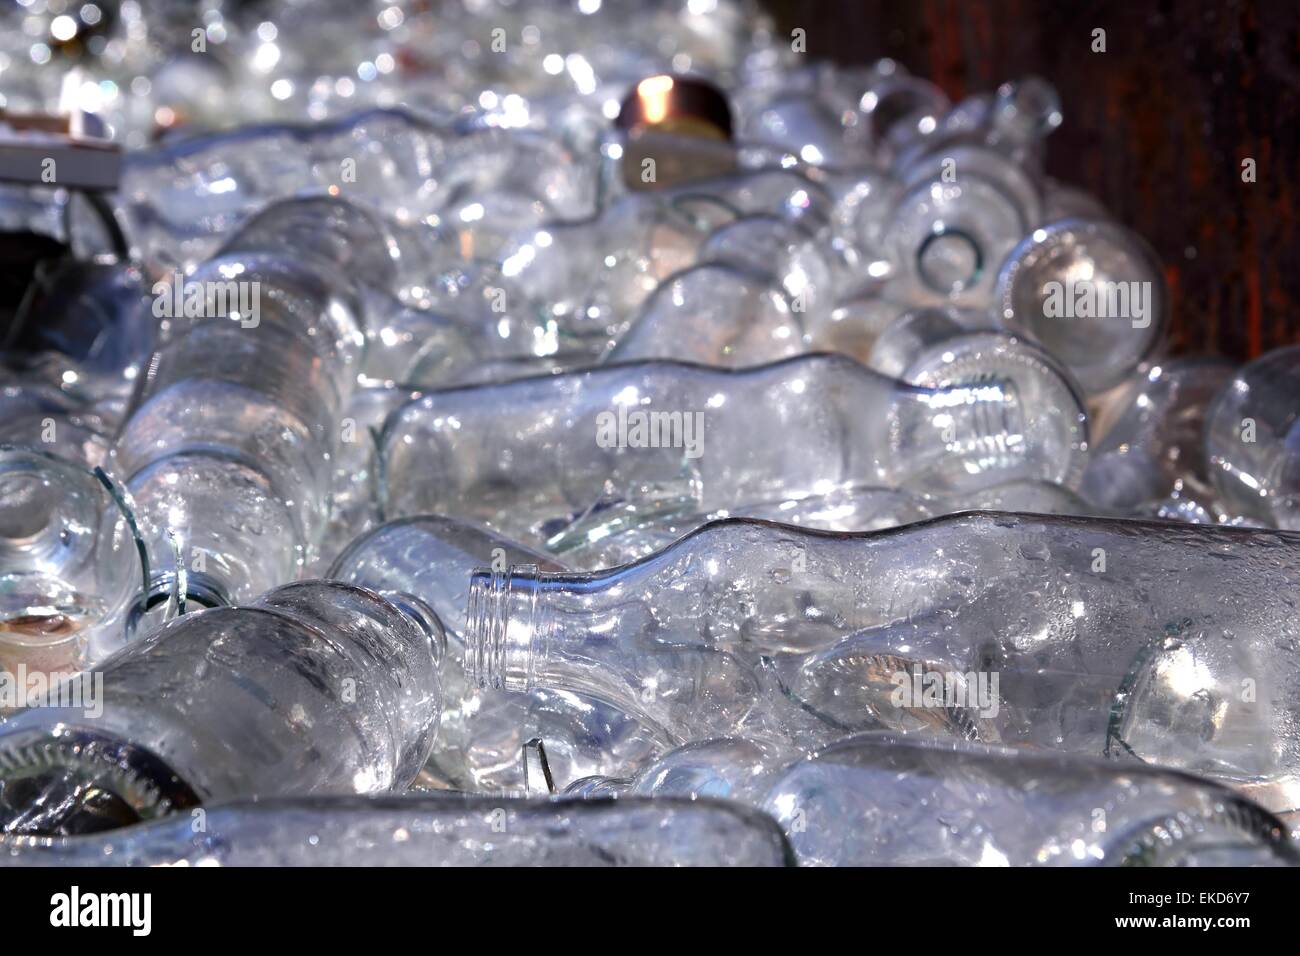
(881, 799)
(71, 563)
(679, 439)
(1091, 291)
(624, 535)
(431, 831)
(481, 730)
(186, 198)
(928, 802)
(1149, 447)
(259, 352)
(715, 313)
(1252, 439)
(1059, 632)
(315, 688)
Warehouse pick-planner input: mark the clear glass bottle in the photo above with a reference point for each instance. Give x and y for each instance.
(916, 331)
(1070, 636)
(481, 730)
(958, 160)
(182, 199)
(1252, 439)
(227, 448)
(884, 800)
(797, 253)
(897, 105)
(317, 687)
(536, 456)
(87, 317)
(715, 313)
(591, 276)
(946, 238)
(813, 113)
(354, 496)
(1010, 124)
(923, 800)
(37, 415)
(627, 536)
(1150, 448)
(1091, 292)
(727, 768)
(1027, 497)
(71, 562)
(760, 282)
(859, 317)
(429, 831)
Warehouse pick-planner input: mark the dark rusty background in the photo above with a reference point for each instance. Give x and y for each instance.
(1156, 127)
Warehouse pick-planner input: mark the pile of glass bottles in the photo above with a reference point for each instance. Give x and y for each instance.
(596, 433)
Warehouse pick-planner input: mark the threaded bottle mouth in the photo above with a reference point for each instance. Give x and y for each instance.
(995, 423)
(1025, 417)
(501, 627)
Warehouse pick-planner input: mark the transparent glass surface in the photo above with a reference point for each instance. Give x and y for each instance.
(864, 198)
(430, 831)
(1060, 632)
(71, 561)
(227, 447)
(857, 320)
(715, 314)
(957, 160)
(415, 346)
(1031, 497)
(91, 313)
(626, 534)
(43, 416)
(916, 331)
(1252, 439)
(354, 498)
(317, 687)
(1091, 292)
(482, 730)
(181, 198)
(1151, 437)
(947, 238)
(538, 456)
(591, 274)
(512, 319)
(730, 768)
(898, 105)
(790, 251)
(879, 800)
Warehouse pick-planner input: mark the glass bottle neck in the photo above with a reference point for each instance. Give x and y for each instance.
(507, 634)
(583, 634)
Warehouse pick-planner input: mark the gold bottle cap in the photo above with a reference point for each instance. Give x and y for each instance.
(685, 106)
(678, 130)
